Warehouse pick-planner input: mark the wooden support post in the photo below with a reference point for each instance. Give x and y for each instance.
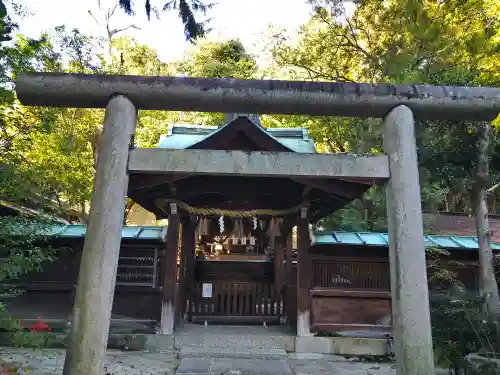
(179, 294)
(97, 277)
(170, 272)
(187, 257)
(290, 292)
(190, 267)
(303, 274)
(279, 257)
(410, 295)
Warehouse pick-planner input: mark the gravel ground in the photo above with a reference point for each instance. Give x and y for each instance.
(48, 361)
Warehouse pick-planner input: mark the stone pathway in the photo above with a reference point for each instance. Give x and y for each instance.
(50, 362)
(223, 366)
(314, 364)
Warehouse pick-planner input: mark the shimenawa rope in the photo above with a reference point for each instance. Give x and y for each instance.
(202, 211)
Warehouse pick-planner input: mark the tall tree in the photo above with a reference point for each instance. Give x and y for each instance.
(450, 42)
(186, 10)
(103, 17)
(487, 280)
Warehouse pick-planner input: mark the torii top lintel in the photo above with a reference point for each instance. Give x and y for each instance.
(259, 96)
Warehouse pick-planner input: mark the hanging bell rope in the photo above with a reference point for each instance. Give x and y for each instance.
(198, 211)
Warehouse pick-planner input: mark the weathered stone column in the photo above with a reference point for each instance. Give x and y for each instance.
(96, 281)
(410, 295)
(303, 275)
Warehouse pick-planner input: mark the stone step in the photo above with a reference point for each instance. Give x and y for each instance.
(224, 366)
(243, 342)
(232, 353)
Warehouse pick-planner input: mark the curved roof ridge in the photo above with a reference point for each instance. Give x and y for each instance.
(182, 136)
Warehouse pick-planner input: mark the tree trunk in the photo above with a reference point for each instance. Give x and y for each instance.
(487, 281)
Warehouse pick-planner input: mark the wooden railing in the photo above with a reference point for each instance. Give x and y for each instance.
(350, 275)
(138, 268)
(375, 275)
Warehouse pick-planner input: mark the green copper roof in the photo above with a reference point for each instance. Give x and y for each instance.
(150, 233)
(183, 136)
(156, 233)
(382, 239)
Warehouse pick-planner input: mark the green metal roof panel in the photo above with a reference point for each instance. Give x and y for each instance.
(467, 241)
(374, 239)
(56, 230)
(382, 239)
(351, 238)
(128, 232)
(322, 238)
(444, 241)
(152, 233)
(326, 238)
(184, 136)
(73, 231)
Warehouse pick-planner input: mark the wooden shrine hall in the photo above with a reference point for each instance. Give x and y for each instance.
(242, 171)
(240, 227)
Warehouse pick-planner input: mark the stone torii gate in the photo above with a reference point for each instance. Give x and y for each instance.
(122, 96)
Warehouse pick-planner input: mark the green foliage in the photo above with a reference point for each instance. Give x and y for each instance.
(218, 60)
(457, 318)
(450, 42)
(205, 59)
(186, 10)
(23, 248)
(458, 329)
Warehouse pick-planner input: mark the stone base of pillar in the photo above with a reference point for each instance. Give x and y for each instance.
(167, 318)
(303, 324)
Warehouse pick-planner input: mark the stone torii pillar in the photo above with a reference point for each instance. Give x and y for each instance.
(96, 281)
(409, 289)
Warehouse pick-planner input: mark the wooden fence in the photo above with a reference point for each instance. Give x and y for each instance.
(236, 301)
(329, 272)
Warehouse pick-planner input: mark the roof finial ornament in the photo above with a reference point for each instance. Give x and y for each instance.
(228, 117)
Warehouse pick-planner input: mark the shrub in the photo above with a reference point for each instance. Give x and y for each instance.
(458, 328)
(458, 324)
(23, 249)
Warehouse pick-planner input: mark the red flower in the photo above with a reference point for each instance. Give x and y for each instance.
(39, 326)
